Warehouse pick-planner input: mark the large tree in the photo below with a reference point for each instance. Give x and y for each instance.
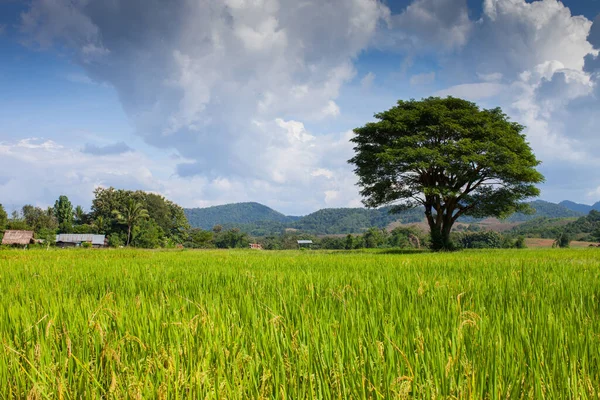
(448, 156)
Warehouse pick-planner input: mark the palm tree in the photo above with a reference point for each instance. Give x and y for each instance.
(130, 216)
(79, 215)
(99, 224)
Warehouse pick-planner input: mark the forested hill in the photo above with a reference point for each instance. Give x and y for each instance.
(545, 209)
(234, 214)
(257, 219)
(353, 220)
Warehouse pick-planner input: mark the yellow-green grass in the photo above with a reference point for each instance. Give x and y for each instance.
(248, 324)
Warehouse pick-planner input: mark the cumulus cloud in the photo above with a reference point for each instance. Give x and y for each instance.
(431, 25)
(515, 35)
(231, 85)
(109, 149)
(194, 76)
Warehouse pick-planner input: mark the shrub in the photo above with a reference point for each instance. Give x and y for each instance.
(480, 240)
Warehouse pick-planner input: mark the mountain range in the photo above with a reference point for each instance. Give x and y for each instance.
(259, 220)
(582, 208)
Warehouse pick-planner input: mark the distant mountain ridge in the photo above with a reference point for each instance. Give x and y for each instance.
(582, 208)
(259, 220)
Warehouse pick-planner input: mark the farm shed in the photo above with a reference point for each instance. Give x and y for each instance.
(17, 238)
(76, 240)
(256, 246)
(304, 243)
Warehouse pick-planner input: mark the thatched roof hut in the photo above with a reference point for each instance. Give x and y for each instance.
(22, 238)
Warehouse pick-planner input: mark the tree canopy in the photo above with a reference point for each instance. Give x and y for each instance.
(3, 218)
(449, 156)
(63, 210)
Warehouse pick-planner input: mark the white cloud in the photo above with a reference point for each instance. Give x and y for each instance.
(431, 25)
(195, 76)
(473, 91)
(367, 81)
(231, 85)
(291, 174)
(515, 36)
(422, 79)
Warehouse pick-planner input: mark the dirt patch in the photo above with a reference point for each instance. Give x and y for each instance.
(534, 242)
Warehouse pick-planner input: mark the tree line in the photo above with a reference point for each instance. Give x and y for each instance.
(127, 218)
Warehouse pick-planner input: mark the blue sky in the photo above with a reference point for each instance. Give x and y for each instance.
(255, 100)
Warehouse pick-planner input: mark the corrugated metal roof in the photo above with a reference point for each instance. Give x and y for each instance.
(305, 241)
(17, 237)
(80, 238)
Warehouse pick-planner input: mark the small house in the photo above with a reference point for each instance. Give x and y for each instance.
(17, 238)
(256, 246)
(304, 244)
(77, 239)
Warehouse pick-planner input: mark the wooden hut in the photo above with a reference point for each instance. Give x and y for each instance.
(17, 238)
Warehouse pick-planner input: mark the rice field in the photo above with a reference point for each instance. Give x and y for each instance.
(117, 324)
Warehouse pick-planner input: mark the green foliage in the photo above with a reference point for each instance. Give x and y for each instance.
(332, 243)
(100, 224)
(147, 235)
(115, 240)
(118, 211)
(582, 228)
(352, 220)
(449, 156)
(546, 228)
(130, 215)
(231, 239)
(563, 240)
(520, 243)
(47, 235)
(296, 325)
(480, 240)
(596, 235)
(39, 219)
(80, 216)
(85, 228)
(63, 211)
(374, 238)
(3, 219)
(17, 222)
(540, 209)
(86, 245)
(199, 239)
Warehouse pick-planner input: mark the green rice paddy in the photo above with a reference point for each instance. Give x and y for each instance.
(295, 325)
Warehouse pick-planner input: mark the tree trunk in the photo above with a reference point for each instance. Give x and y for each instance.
(440, 233)
(128, 234)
